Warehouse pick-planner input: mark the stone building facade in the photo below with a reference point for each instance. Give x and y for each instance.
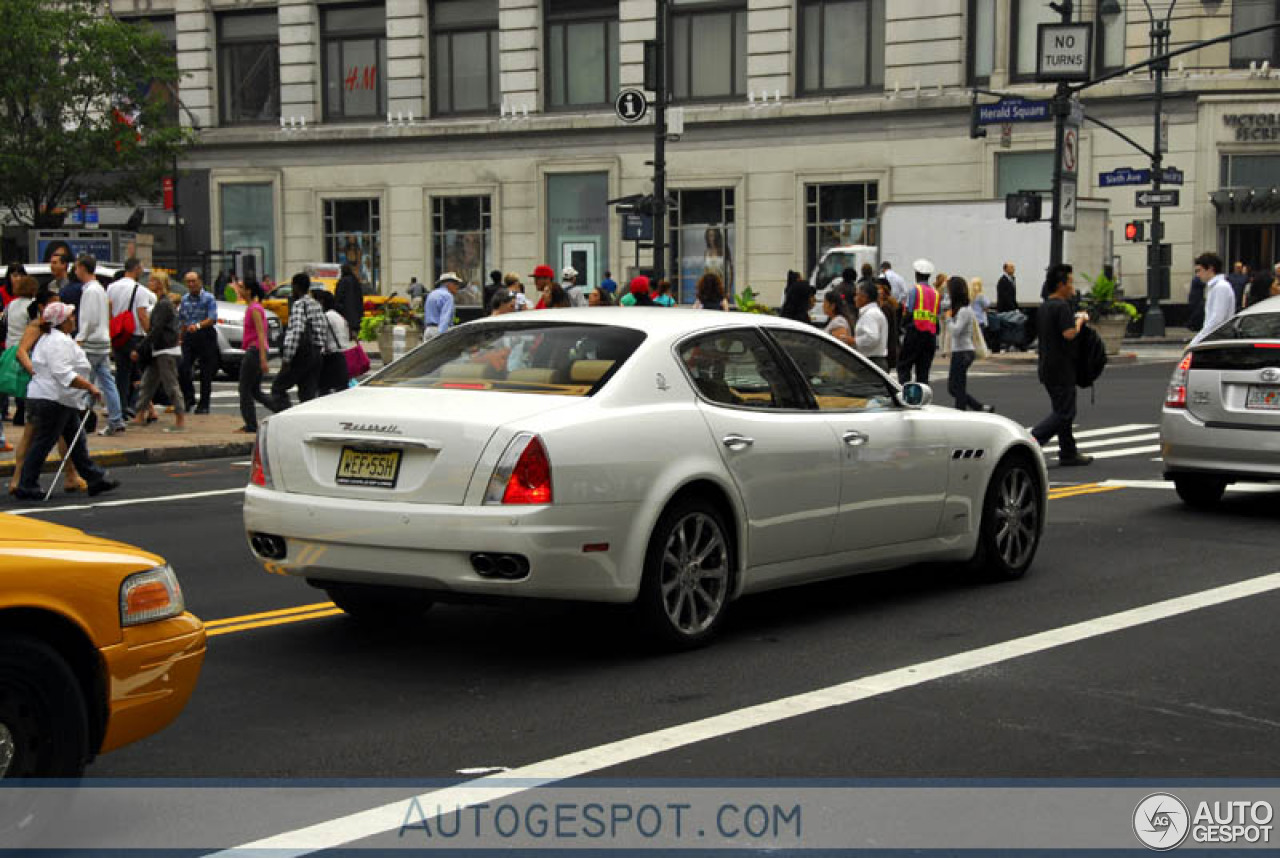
(416, 136)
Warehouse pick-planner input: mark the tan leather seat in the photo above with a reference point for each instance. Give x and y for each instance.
(589, 371)
(534, 376)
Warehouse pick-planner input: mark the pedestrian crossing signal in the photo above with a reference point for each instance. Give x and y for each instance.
(1134, 231)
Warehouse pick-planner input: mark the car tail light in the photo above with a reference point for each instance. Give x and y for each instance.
(260, 474)
(1176, 397)
(523, 474)
(150, 596)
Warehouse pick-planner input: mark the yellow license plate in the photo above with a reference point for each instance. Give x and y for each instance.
(359, 466)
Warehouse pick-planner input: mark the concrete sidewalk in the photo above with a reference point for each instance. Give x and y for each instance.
(208, 436)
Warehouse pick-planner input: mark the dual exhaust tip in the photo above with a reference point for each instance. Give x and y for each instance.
(507, 567)
(268, 546)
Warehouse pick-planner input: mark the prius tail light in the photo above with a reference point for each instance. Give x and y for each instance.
(260, 474)
(1176, 396)
(523, 474)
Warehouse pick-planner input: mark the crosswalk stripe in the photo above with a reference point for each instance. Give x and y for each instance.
(1128, 451)
(1114, 430)
(1111, 442)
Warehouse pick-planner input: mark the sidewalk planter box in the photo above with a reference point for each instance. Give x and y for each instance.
(405, 338)
(1112, 332)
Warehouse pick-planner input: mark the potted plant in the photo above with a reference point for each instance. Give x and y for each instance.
(382, 327)
(745, 302)
(1108, 314)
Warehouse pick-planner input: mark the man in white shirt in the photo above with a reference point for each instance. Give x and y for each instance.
(896, 284)
(871, 335)
(129, 294)
(94, 336)
(1219, 297)
(569, 283)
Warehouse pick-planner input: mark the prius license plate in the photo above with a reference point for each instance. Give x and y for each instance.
(1263, 398)
(359, 466)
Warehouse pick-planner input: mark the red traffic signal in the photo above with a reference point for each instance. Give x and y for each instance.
(1134, 231)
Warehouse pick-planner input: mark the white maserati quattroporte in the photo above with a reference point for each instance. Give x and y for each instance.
(672, 459)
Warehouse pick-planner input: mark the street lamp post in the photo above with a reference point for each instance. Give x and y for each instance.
(1157, 265)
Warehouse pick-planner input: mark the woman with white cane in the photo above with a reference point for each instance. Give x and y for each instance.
(55, 400)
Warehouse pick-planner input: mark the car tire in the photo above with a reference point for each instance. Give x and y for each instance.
(1012, 521)
(44, 722)
(688, 576)
(1200, 491)
(372, 604)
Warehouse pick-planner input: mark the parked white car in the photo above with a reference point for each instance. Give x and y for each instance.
(674, 459)
(1221, 418)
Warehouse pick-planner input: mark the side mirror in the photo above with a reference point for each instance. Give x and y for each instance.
(916, 395)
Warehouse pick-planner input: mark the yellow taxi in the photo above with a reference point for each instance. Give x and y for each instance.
(96, 647)
(325, 274)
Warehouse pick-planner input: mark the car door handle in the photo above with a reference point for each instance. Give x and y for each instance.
(854, 438)
(735, 441)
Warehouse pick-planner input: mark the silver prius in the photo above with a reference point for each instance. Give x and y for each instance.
(1221, 421)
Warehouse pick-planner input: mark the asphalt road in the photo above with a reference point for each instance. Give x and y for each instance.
(313, 694)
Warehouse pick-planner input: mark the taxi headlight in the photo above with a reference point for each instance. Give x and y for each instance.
(146, 597)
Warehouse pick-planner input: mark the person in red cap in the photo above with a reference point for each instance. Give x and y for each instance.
(637, 293)
(544, 276)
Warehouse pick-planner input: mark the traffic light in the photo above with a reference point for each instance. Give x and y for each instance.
(1135, 230)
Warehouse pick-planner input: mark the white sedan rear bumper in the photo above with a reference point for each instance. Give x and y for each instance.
(429, 546)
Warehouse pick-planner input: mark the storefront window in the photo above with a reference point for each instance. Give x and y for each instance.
(578, 223)
(1023, 171)
(837, 216)
(353, 235)
(582, 52)
(248, 226)
(355, 50)
(462, 239)
(248, 67)
(702, 239)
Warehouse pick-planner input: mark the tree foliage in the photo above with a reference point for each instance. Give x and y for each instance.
(86, 107)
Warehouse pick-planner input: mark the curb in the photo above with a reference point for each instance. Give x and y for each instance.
(148, 456)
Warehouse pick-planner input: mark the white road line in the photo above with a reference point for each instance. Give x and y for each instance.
(1114, 430)
(1248, 488)
(1108, 442)
(389, 817)
(36, 510)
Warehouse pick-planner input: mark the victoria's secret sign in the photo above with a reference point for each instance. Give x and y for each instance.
(1254, 127)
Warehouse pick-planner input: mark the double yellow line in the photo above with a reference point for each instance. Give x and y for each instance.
(319, 610)
(281, 617)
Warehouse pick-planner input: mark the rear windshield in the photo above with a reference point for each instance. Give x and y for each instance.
(516, 357)
(1255, 326)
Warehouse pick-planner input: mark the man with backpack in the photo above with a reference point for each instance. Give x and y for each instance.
(1059, 330)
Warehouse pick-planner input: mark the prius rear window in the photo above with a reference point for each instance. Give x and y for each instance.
(516, 357)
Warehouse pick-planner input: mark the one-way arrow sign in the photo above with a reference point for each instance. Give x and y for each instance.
(1149, 199)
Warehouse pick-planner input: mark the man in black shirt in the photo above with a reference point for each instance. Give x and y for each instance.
(1057, 364)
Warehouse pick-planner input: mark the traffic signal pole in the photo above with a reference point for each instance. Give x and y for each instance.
(660, 143)
(1061, 109)
(1157, 270)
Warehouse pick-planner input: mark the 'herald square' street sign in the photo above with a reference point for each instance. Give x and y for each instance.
(1013, 109)
(1064, 52)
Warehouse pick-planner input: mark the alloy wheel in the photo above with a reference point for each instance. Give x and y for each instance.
(695, 573)
(1017, 517)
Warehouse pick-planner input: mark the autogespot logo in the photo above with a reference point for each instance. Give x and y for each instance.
(1161, 822)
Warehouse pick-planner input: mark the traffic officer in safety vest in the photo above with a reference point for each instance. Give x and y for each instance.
(920, 323)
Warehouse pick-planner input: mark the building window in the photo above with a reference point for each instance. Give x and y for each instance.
(355, 61)
(1260, 47)
(166, 28)
(841, 45)
(462, 237)
(702, 239)
(982, 41)
(248, 67)
(1023, 171)
(1109, 36)
(582, 53)
(247, 215)
(353, 235)
(1027, 16)
(709, 49)
(465, 44)
(839, 215)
